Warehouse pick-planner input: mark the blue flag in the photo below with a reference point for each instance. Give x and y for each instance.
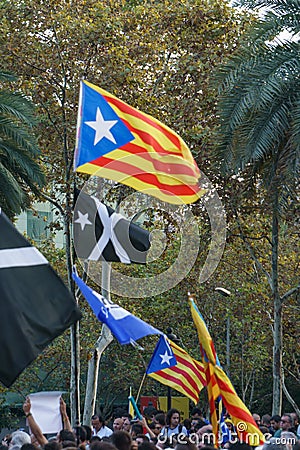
(162, 358)
(125, 327)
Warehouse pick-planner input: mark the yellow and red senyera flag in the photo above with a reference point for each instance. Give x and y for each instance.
(220, 387)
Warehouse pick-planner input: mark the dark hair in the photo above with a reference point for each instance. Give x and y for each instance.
(291, 420)
(66, 444)
(67, 435)
(121, 439)
(103, 445)
(52, 445)
(187, 423)
(97, 416)
(80, 433)
(160, 418)
(187, 445)
(28, 447)
(137, 428)
(146, 445)
(276, 418)
(88, 430)
(170, 414)
(196, 410)
(240, 446)
(95, 439)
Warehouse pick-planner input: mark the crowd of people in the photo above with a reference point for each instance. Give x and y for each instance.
(156, 430)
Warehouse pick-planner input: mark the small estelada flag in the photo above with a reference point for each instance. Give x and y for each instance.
(173, 366)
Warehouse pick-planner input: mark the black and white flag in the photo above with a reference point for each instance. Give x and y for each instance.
(35, 304)
(100, 233)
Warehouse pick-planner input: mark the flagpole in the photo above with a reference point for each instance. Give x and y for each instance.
(140, 387)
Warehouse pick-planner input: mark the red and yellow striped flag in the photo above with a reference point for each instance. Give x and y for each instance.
(182, 373)
(118, 142)
(219, 385)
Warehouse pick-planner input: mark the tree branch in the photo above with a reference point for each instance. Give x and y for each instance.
(252, 254)
(289, 397)
(289, 293)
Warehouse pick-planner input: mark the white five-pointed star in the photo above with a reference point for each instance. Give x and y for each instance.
(83, 220)
(166, 358)
(102, 127)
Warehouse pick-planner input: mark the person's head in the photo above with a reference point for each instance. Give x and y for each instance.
(88, 430)
(196, 424)
(18, 438)
(273, 444)
(286, 422)
(140, 438)
(160, 418)
(173, 418)
(229, 424)
(126, 424)
(265, 420)
(53, 445)
(136, 429)
(185, 444)
(147, 445)
(155, 428)
(66, 435)
(118, 424)
(275, 422)
(69, 444)
(80, 434)
(97, 422)
(196, 413)
(28, 447)
(121, 439)
(134, 445)
(289, 438)
(102, 445)
(295, 419)
(257, 419)
(95, 441)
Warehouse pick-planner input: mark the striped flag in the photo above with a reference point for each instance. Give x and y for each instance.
(174, 367)
(35, 304)
(219, 385)
(118, 142)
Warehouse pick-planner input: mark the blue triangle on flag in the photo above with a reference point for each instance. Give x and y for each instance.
(162, 358)
(100, 129)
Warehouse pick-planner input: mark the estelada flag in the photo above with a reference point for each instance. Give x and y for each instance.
(120, 143)
(35, 304)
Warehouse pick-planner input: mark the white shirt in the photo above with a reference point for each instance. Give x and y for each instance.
(172, 431)
(103, 432)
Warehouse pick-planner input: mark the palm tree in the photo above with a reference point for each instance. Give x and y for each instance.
(259, 109)
(20, 172)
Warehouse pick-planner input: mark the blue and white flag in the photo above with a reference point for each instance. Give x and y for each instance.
(125, 326)
(162, 358)
(224, 431)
